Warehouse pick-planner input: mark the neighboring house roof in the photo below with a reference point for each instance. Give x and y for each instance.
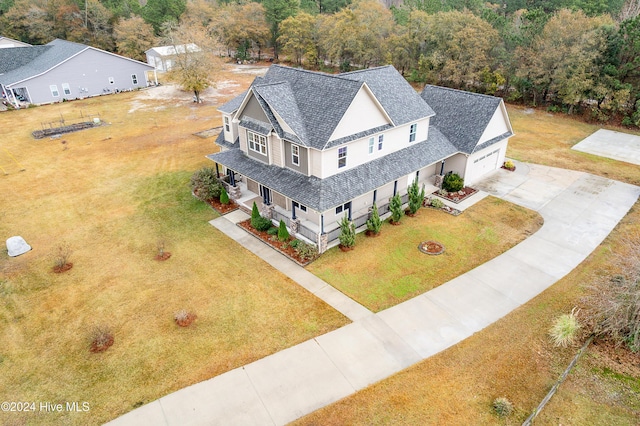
(6, 42)
(173, 50)
(462, 116)
(312, 103)
(322, 194)
(23, 63)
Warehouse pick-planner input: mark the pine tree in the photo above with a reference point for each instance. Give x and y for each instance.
(283, 234)
(348, 232)
(396, 208)
(224, 197)
(374, 223)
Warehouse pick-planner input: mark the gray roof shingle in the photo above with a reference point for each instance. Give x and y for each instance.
(323, 194)
(462, 116)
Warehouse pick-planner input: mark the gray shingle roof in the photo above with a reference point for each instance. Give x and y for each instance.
(233, 105)
(313, 103)
(462, 116)
(37, 59)
(323, 194)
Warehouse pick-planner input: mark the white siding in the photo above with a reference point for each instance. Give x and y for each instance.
(498, 125)
(364, 113)
(358, 150)
(487, 161)
(456, 164)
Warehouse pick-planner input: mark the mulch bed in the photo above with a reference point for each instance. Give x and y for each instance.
(457, 197)
(431, 247)
(164, 256)
(511, 169)
(186, 320)
(272, 240)
(61, 269)
(223, 208)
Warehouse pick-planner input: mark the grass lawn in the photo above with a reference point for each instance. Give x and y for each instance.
(546, 138)
(512, 358)
(111, 193)
(386, 270)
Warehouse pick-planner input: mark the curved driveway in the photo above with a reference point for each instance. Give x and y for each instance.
(579, 210)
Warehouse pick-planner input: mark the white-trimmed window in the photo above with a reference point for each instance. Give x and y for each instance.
(257, 143)
(342, 157)
(299, 206)
(66, 89)
(412, 132)
(54, 90)
(372, 144)
(134, 79)
(295, 155)
(112, 80)
(226, 124)
(380, 142)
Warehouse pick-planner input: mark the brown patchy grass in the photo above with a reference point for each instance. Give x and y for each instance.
(513, 358)
(386, 270)
(111, 193)
(546, 138)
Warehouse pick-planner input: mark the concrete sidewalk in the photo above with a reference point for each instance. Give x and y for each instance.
(579, 210)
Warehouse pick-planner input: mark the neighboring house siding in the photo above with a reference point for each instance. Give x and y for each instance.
(362, 114)
(254, 110)
(87, 74)
(303, 158)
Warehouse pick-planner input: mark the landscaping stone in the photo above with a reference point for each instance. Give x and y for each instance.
(17, 246)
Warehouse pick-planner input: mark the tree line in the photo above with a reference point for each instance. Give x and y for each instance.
(577, 56)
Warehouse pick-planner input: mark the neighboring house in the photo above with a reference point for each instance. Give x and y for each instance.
(62, 70)
(311, 148)
(9, 42)
(163, 57)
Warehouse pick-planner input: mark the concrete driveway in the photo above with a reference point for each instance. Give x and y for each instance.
(610, 144)
(579, 210)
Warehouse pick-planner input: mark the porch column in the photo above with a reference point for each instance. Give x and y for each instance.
(375, 195)
(349, 211)
(442, 167)
(232, 178)
(217, 171)
(322, 224)
(293, 211)
(395, 188)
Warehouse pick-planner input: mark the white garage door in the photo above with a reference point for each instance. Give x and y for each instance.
(482, 165)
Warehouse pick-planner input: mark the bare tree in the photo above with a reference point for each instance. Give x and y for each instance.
(630, 10)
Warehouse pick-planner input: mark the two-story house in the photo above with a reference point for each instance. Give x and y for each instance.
(310, 147)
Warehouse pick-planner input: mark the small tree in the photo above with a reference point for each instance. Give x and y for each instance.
(205, 184)
(283, 234)
(255, 213)
(374, 223)
(224, 197)
(348, 232)
(396, 208)
(416, 196)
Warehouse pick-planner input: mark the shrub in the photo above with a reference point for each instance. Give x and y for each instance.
(305, 251)
(184, 318)
(564, 331)
(509, 164)
(502, 407)
(612, 307)
(205, 184)
(294, 243)
(61, 257)
(395, 205)
(272, 231)
(374, 223)
(283, 234)
(255, 213)
(348, 232)
(224, 197)
(101, 338)
(416, 196)
(437, 203)
(452, 182)
(261, 223)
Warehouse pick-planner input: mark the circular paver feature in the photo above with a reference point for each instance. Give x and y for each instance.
(431, 247)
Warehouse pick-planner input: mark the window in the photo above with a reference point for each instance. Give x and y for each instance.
(54, 91)
(226, 124)
(66, 89)
(134, 79)
(372, 144)
(295, 155)
(257, 143)
(111, 80)
(300, 206)
(342, 208)
(412, 133)
(380, 141)
(342, 157)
